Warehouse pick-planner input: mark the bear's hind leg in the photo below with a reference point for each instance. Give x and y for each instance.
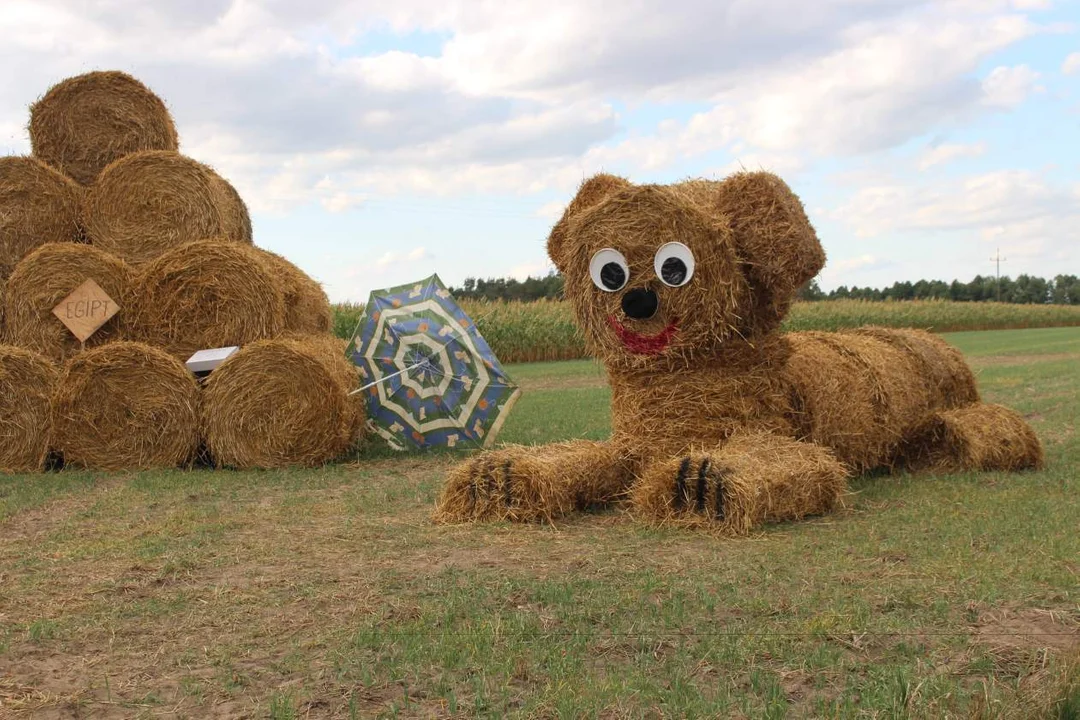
(752, 479)
(981, 436)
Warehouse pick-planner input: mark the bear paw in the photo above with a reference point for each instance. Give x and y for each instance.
(694, 486)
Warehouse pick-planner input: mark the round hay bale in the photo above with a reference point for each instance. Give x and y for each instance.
(147, 203)
(333, 351)
(207, 294)
(86, 122)
(307, 309)
(126, 406)
(279, 403)
(48, 275)
(237, 218)
(27, 381)
(38, 205)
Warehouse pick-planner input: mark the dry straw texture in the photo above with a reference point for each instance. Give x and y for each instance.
(941, 367)
(755, 478)
(147, 203)
(207, 294)
(86, 122)
(529, 484)
(48, 275)
(38, 205)
(976, 437)
(126, 406)
(279, 403)
(726, 421)
(237, 219)
(27, 381)
(333, 352)
(307, 309)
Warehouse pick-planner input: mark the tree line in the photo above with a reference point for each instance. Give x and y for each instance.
(1025, 289)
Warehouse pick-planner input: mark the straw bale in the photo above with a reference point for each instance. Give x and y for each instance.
(941, 366)
(147, 203)
(773, 239)
(524, 483)
(702, 379)
(278, 403)
(207, 294)
(681, 404)
(333, 351)
(977, 437)
(857, 394)
(27, 381)
(237, 219)
(126, 406)
(48, 275)
(87, 121)
(754, 478)
(38, 205)
(307, 308)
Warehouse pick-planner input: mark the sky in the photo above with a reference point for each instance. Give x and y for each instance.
(379, 141)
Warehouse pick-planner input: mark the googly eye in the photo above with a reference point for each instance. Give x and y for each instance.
(674, 264)
(609, 270)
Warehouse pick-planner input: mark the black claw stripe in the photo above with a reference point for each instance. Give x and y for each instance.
(702, 472)
(508, 491)
(472, 495)
(680, 484)
(718, 493)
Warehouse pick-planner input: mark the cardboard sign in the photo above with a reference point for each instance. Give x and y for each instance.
(86, 309)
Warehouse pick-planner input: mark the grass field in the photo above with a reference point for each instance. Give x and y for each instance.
(545, 330)
(328, 594)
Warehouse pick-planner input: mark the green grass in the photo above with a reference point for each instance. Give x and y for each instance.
(328, 593)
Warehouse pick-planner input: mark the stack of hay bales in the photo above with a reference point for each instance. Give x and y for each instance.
(107, 195)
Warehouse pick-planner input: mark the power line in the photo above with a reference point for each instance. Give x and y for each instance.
(997, 260)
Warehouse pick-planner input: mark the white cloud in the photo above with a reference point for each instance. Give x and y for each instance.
(341, 202)
(526, 270)
(552, 210)
(1018, 204)
(1007, 87)
(523, 97)
(835, 271)
(1071, 66)
(946, 152)
(783, 165)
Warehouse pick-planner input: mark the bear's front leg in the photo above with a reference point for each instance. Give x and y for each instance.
(752, 479)
(527, 484)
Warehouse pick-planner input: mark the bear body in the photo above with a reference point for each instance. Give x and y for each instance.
(718, 418)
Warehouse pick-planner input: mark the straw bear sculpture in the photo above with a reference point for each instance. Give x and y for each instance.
(718, 418)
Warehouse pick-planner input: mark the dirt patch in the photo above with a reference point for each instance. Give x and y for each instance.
(1029, 629)
(41, 520)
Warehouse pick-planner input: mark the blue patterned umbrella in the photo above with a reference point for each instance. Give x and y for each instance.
(430, 378)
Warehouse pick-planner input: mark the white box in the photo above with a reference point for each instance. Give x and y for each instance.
(202, 362)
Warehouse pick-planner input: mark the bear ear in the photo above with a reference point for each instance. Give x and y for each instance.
(591, 193)
(774, 239)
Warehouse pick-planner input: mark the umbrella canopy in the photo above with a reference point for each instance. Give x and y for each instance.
(430, 378)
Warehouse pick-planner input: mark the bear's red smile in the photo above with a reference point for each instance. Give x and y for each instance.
(644, 344)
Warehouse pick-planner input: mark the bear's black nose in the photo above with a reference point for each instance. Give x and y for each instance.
(640, 304)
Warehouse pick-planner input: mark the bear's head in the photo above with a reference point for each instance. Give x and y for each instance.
(677, 271)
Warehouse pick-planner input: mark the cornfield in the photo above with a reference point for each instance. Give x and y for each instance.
(545, 330)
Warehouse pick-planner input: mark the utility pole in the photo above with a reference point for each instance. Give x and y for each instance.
(997, 260)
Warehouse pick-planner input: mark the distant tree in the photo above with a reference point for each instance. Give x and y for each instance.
(810, 292)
